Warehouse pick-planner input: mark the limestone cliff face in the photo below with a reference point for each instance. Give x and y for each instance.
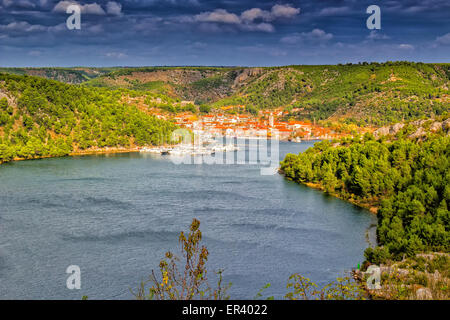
(246, 74)
(4, 94)
(421, 128)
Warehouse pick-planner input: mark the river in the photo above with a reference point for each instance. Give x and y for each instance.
(115, 215)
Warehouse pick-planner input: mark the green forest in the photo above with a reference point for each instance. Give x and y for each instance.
(406, 179)
(363, 93)
(42, 118)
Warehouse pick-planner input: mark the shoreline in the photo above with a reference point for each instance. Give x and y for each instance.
(104, 151)
(80, 153)
(372, 208)
(117, 150)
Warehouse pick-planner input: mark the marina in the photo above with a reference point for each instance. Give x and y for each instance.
(191, 149)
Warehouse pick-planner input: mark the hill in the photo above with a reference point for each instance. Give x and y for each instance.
(66, 75)
(402, 173)
(200, 84)
(364, 93)
(43, 118)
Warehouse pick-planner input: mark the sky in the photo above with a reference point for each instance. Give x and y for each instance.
(221, 32)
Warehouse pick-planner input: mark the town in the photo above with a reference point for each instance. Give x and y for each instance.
(232, 121)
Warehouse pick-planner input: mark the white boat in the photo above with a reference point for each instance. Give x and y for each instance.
(182, 150)
(228, 148)
(231, 147)
(151, 150)
(177, 152)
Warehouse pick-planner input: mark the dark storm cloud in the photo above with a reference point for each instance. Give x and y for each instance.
(221, 32)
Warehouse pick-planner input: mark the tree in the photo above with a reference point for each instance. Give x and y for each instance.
(6, 153)
(3, 104)
(406, 179)
(186, 283)
(204, 108)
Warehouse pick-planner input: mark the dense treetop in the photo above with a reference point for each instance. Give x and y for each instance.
(408, 179)
(40, 117)
(364, 93)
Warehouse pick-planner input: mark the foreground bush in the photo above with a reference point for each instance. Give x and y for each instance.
(185, 278)
(185, 282)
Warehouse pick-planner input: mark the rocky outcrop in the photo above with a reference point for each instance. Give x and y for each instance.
(446, 124)
(418, 123)
(436, 126)
(11, 100)
(419, 133)
(422, 128)
(246, 74)
(384, 131)
(424, 294)
(396, 128)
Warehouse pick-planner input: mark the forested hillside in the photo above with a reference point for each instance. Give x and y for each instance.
(40, 118)
(199, 84)
(406, 176)
(364, 93)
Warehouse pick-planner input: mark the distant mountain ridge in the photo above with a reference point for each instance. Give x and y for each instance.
(76, 75)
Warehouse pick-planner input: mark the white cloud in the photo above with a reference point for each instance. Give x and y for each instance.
(415, 9)
(35, 53)
(113, 8)
(19, 3)
(92, 8)
(255, 13)
(405, 46)
(284, 11)
(264, 27)
(254, 19)
(218, 15)
(95, 29)
(22, 26)
(316, 35)
(277, 12)
(443, 40)
(334, 11)
(374, 35)
(7, 3)
(116, 55)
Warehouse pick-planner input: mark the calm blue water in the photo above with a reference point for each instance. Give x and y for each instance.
(116, 215)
